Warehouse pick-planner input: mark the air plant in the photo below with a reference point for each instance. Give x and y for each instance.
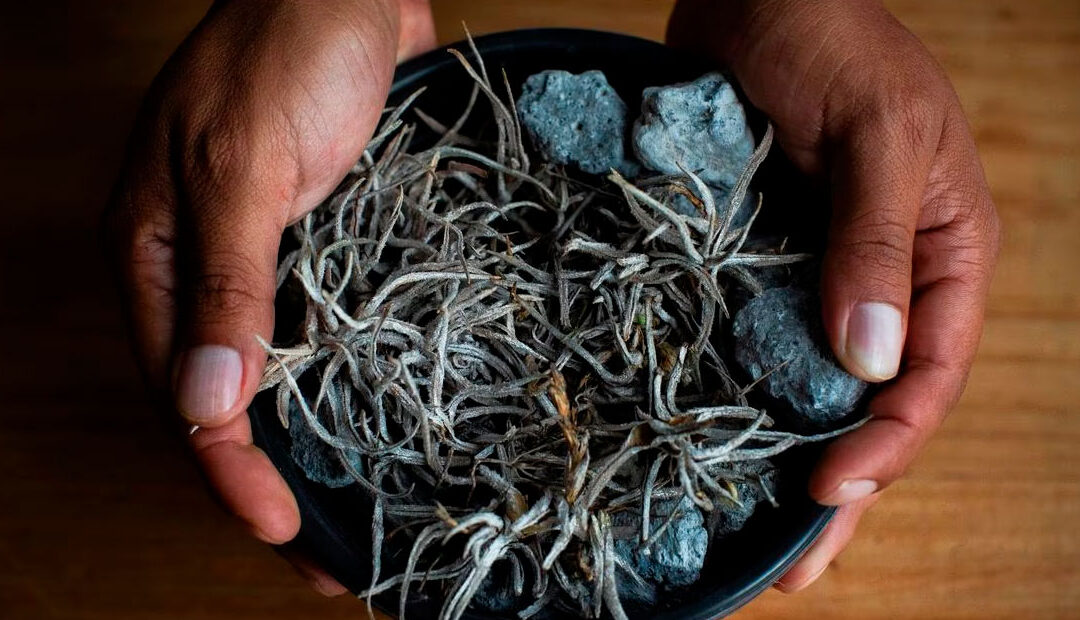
(506, 356)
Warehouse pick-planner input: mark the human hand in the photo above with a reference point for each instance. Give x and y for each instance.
(857, 100)
(252, 122)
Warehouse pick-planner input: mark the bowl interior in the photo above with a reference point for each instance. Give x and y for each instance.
(335, 529)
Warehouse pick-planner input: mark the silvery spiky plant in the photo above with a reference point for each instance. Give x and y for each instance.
(507, 358)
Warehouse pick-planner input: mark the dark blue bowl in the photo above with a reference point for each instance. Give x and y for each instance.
(334, 530)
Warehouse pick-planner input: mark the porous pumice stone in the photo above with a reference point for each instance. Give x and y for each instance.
(319, 462)
(783, 325)
(677, 557)
(576, 119)
(699, 125)
(674, 559)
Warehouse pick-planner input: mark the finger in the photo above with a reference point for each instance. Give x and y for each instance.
(246, 481)
(226, 289)
(142, 240)
(417, 33)
(907, 412)
(225, 292)
(879, 178)
(138, 234)
(317, 578)
(954, 255)
(837, 535)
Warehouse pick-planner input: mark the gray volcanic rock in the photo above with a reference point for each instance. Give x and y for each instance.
(674, 559)
(576, 119)
(699, 125)
(321, 463)
(782, 325)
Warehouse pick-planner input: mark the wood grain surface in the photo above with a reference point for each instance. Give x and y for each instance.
(101, 516)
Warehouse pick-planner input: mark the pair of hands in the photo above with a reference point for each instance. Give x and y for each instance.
(268, 103)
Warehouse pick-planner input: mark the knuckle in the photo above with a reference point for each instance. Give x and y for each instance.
(142, 251)
(211, 157)
(151, 245)
(902, 101)
(911, 115)
(951, 199)
(970, 226)
(229, 288)
(878, 241)
(231, 165)
(919, 114)
(136, 205)
(992, 230)
(978, 239)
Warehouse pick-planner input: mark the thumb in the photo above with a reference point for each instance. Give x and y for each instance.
(226, 297)
(879, 174)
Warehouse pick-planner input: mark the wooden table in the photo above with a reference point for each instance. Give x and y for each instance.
(102, 517)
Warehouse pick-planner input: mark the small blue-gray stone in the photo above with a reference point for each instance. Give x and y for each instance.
(783, 325)
(676, 557)
(698, 125)
(320, 462)
(576, 119)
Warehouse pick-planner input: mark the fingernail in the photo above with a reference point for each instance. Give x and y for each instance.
(875, 338)
(787, 588)
(813, 577)
(850, 491)
(208, 382)
(328, 587)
